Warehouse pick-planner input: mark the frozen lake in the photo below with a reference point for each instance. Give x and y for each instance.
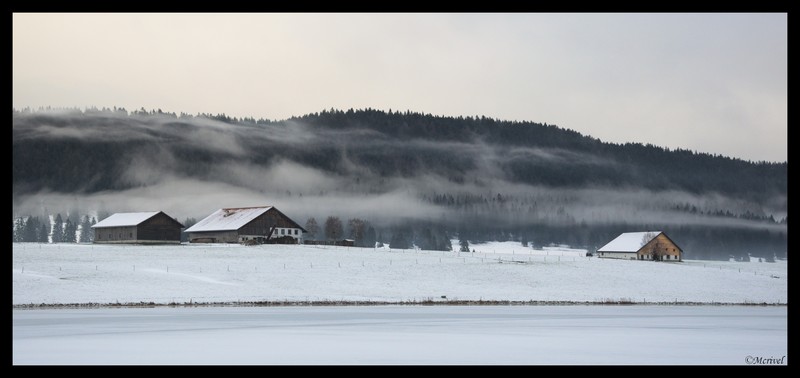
(526, 335)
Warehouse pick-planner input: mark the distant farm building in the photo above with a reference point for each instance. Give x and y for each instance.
(248, 225)
(651, 245)
(153, 227)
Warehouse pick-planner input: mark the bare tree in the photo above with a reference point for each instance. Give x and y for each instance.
(333, 228)
(358, 228)
(653, 251)
(312, 227)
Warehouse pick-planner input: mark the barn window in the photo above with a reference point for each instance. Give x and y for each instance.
(109, 235)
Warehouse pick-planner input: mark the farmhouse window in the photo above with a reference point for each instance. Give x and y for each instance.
(283, 232)
(295, 232)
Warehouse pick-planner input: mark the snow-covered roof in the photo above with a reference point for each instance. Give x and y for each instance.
(125, 219)
(629, 241)
(228, 219)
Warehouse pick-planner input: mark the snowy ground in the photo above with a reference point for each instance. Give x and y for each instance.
(73, 273)
(506, 335)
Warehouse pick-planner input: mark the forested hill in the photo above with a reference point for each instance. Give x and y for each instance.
(475, 177)
(546, 154)
(92, 151)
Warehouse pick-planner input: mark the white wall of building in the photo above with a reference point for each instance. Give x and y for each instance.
(293, 232)
(618, 255)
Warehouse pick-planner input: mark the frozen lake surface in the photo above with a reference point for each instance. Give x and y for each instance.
(505, 335)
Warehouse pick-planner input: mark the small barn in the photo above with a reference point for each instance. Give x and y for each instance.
(152, 227)
(263, 224)
(649, 245)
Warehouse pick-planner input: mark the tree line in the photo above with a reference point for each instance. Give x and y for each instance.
(31, 229)
(364, 234)
(698, 242)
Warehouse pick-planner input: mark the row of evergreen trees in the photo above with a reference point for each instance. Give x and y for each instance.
(698, 242)
(33, 230)
(364, 234)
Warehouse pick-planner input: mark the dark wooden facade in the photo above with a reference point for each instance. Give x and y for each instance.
(158, 229)
(264, 222)
(122, 234)
(257, 229)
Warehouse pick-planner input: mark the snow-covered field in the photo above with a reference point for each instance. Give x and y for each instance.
(527, 335)
(73, 273)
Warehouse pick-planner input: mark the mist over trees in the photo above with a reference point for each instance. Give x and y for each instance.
(312, 228)
(333, 228)
(405, 177)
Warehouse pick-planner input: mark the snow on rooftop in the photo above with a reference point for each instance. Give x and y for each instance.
(125, 219)
(629, 242)
(228, 219)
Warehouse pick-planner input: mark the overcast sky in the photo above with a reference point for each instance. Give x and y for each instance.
(707, 82)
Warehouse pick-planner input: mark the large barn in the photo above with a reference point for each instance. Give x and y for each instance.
(152, 227)
(246, 224)
(650, 245)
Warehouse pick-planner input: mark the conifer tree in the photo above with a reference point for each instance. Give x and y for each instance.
(58, 229)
